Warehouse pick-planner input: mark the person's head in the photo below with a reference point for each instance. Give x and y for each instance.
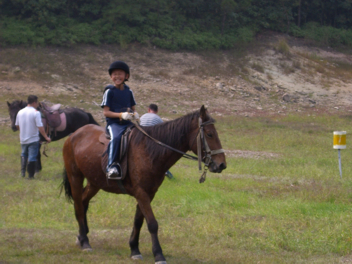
(153, 108)
(119, 72)
(32, 99)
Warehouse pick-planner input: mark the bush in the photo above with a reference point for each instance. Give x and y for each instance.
(296, 31)
(14, 32)
(283, 47)
(245, 34)
(327, 35)
(85, 33)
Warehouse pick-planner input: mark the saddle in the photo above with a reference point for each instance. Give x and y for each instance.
(51, 114)
(104, 139)
(53, 117)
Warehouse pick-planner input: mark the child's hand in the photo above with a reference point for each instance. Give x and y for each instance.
(126, 116)
(136, 116)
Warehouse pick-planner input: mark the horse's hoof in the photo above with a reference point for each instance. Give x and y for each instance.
(77, 242)
(137, 257)
(85, 248)
(161, 262)
(88, 249)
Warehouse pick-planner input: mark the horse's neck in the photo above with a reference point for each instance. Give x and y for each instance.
(175, 134)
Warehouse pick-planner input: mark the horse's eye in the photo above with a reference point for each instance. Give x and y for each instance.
(209, 135)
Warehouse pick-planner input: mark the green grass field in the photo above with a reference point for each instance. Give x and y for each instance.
(288, 207)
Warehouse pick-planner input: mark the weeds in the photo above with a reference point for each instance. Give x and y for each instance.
(287, 68)
(269, 77)
(258, 67)
(283, 47)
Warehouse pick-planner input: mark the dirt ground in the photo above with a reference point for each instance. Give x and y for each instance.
(261, 79)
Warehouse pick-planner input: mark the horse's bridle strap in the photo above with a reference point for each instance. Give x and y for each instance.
(218, 151)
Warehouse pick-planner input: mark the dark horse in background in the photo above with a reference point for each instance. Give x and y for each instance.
(75, 118)
(147, 163)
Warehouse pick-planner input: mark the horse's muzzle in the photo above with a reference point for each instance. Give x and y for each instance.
(213, 167)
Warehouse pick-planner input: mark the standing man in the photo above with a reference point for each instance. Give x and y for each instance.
(151, 119)
(29, 123)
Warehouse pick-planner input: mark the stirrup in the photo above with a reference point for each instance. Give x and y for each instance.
(113, 172)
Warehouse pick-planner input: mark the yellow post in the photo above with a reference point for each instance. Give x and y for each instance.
(339, 143)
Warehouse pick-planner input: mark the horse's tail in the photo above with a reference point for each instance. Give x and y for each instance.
(66, 185)
(92, 120)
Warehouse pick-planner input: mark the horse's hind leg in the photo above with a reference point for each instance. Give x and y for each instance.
(134, 239)
(38, 164)
(80, 212)
(88, 194)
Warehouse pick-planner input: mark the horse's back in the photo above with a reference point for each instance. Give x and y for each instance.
(86, 138)
(89, 129)
(77, 118)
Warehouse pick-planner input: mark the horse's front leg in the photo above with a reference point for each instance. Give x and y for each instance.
(144, 204)
(134, 239)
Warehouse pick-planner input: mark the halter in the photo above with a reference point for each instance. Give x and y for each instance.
(200, 147)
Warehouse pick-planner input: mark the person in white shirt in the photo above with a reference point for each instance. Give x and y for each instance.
(29, 123)
(151, 119)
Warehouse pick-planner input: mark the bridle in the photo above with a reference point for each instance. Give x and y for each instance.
(204, 148)
(200, 147)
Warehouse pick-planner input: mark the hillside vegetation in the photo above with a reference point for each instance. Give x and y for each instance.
(171, 24)
(275, 74)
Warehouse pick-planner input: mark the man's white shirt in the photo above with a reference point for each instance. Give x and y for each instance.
(28, 119)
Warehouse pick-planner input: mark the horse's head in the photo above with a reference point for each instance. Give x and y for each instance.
(14, 107)
(210, 145)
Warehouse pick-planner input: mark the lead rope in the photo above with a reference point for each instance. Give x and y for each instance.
(202, 178)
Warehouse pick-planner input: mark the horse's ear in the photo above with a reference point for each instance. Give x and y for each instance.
(203, 113)
(8, 104)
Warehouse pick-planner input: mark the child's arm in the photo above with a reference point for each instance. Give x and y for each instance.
(110, 114)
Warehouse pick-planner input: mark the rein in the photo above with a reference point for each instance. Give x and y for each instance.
(200, 138)
(185, 155)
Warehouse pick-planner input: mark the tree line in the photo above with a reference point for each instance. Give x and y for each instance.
(172, 24)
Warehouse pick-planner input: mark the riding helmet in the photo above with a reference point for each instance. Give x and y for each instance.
(119, 65)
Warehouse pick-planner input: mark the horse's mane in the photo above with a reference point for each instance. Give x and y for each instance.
(169, 133)
(19, 103)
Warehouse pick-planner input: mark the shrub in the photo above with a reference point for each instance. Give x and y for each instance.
(283, 47)
(245, 34)
(14, 32)
(327, 35)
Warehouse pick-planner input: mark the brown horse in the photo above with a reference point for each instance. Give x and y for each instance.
(147, 163)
